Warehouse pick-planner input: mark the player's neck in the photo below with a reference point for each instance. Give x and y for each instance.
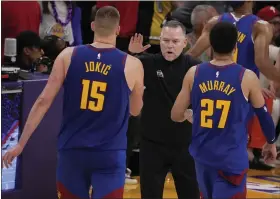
(101, 42)
(222, 60)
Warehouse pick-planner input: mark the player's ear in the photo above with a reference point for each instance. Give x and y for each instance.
(92, 26)
(185, 42)
(118, 30)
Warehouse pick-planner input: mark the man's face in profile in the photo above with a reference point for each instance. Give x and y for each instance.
(172, 42)
(35, 53)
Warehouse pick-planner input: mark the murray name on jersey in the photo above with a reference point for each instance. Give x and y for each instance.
(216, 85)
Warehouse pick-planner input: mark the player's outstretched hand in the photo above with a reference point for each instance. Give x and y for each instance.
(270, 153)
(136, 44)
(268, 93)
(10, 155)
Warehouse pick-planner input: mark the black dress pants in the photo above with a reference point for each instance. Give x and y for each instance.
(156, 161)
(132, 134)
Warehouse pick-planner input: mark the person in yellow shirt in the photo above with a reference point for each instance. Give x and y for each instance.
(161, 10)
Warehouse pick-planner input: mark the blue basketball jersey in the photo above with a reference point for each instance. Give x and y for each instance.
(220, 115)
(96, 100)
(245, 53)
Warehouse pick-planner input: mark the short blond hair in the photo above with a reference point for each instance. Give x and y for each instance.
(106, 21)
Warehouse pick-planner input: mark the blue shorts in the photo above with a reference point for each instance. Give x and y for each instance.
(218, 184)
(79, 169)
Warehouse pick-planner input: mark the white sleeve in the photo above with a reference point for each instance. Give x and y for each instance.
(273, 52)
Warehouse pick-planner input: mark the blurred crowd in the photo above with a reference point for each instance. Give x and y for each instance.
(44, 28)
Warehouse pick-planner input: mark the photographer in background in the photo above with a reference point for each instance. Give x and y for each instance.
(29, 49)
(52, 46)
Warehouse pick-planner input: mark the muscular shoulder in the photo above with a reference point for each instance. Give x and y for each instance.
(133, 64)
(262, 26)
(191, 72)
(67, 51)
(66, 55)
(249, 77)
(262, 29)
(133, 61)
(189, 78)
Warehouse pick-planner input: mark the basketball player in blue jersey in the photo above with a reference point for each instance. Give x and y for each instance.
(219, 92)
(102, 87)
(254, 37)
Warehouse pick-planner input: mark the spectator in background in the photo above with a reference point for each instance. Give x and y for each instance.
(61, 18)
(271, 15)
(161, 10)
(183, 13)
(29, 49)
(129, 15)
(52, 46)
(199, 17)
(86, 8)
(17, 17)
(43, 65)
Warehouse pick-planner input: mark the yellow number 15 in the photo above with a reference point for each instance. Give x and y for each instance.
(96, 105)
(209, 105)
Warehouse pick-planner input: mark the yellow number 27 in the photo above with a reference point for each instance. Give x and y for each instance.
(96, 86)
(209, 105)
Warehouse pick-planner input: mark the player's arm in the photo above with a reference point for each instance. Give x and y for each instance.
(45, 99)
(203, 42)
(257, 100)
(179, 110)
(262, 39)
(134, 73)
(276, 85)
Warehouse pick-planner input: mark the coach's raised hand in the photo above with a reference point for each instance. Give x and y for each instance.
(136, 44)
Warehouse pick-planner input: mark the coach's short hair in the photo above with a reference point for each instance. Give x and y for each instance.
(106, 21)
(175, 24)
(223, 37)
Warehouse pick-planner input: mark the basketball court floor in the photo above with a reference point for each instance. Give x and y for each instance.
(260, 184)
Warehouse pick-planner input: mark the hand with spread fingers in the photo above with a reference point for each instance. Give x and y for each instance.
(136, 44)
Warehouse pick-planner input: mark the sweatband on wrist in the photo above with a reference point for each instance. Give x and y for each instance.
(266, 123)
